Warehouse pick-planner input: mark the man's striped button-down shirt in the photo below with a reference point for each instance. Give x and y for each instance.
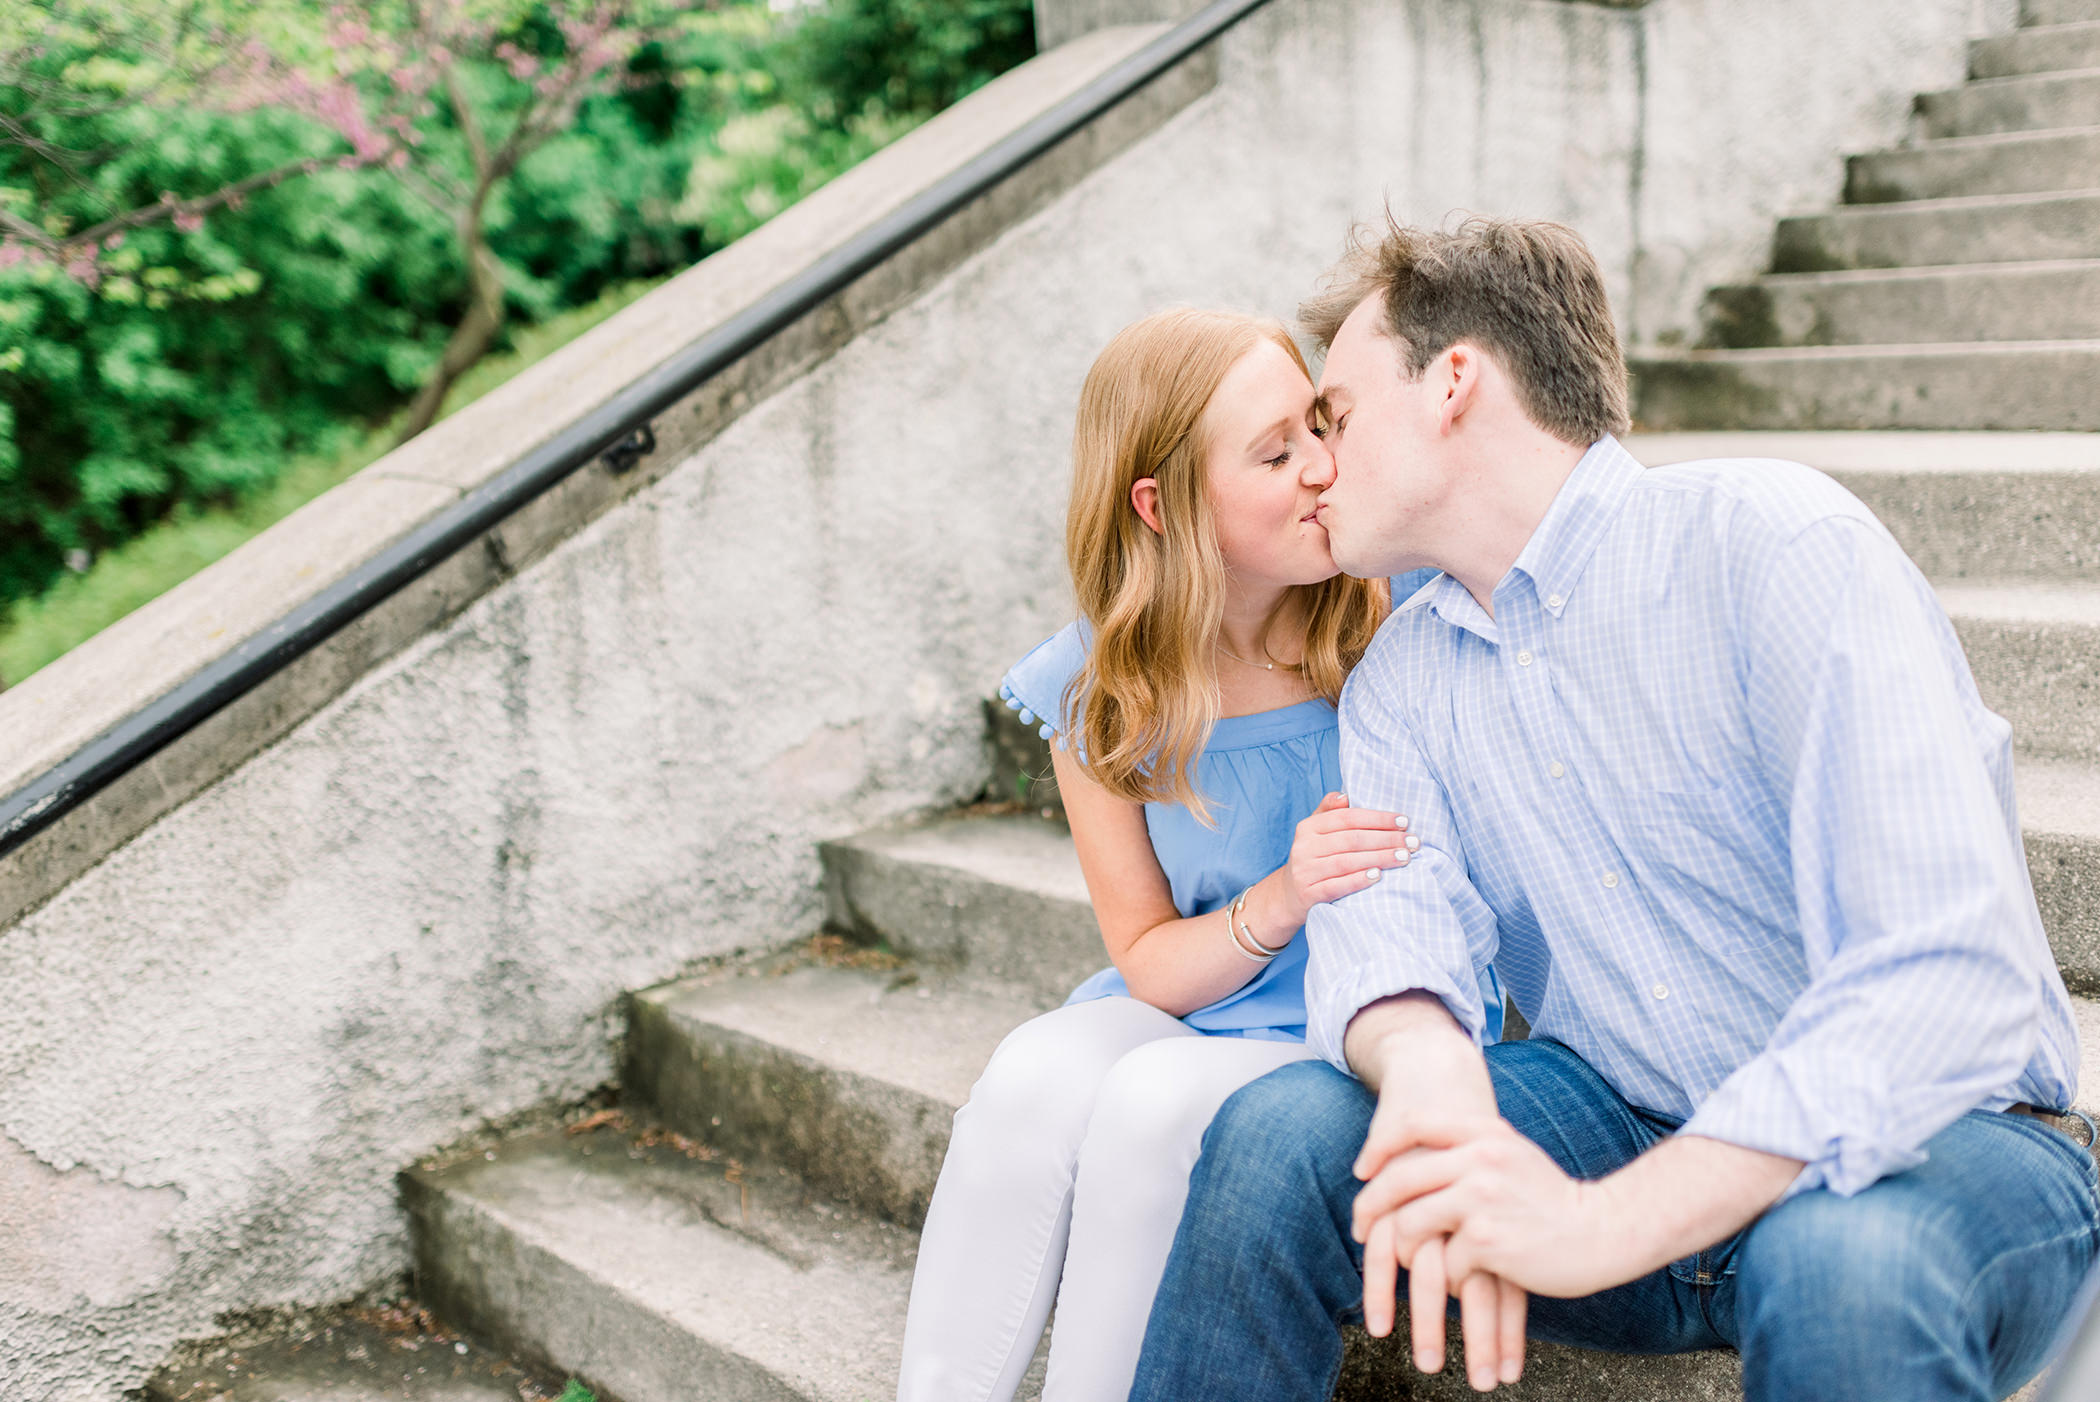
(1714, 791)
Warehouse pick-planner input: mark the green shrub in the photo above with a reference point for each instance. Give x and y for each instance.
(206, 364)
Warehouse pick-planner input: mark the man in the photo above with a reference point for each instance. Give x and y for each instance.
(1696, 761)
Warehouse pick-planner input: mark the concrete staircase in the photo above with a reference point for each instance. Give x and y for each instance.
(1958, 287)
(746, 1230)
(745, 1227)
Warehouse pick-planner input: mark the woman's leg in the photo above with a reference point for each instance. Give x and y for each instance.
(994, 1241)
(1146, 1131)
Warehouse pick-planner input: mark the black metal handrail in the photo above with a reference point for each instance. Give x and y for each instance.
(618, 428)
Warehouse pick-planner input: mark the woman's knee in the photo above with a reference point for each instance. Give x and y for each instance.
(1047, 1073)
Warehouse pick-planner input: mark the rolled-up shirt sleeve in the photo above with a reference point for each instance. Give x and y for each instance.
(1925, 987)
(1422, 926)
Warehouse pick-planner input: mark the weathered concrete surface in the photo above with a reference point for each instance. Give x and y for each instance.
(2002, 164)
(1000, 899)
(1973, 386)
(2058, 11)
(418, 909)
(381, 1354)
(2043, 49)
(657, 1278)
(849, 1078)
(2035, 652)
(2052, 300)
(2031, 102)
(1962, 505)
(1922, 233)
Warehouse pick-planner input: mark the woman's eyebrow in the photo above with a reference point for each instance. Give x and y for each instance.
(1282, 425)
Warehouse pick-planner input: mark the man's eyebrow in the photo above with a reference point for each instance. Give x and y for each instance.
(1323, 403)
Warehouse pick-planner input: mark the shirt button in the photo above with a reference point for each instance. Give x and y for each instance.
(1661, 992)
(1523, 659)
(1557, 769)
(1611, 878)
(1553, 601)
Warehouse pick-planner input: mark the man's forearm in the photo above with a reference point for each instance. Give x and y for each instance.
(1407, 1030)
(1687, 1193)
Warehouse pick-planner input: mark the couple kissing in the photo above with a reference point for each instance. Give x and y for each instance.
(1405, 698)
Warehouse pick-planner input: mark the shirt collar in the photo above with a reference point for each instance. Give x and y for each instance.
(1560, 548)
(1445, 597)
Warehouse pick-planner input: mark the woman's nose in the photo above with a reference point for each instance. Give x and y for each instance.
(1318, 471)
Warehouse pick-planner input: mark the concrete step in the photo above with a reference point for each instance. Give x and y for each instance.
(394, 1351)
(2006, 163)
(2060, 820)
(658, 1277)
(2052, 300)
(846, 1077)
(1965, 506)
(2031, 102)
(997, 899)
(2035, 651)
(2048, 48)
(1943, 232)
(2009, 385)
(2038, 12)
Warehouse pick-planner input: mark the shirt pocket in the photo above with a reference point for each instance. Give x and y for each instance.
(1713, 863)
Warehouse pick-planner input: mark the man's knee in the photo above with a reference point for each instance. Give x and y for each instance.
(1291, 1130)
(1877, 1256)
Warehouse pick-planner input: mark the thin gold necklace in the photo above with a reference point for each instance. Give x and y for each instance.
(1265, 666)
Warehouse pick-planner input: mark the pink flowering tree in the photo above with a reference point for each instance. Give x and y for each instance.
(499, 78)
(448, 97)
(62, 61)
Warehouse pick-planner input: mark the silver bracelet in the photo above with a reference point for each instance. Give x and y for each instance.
(1243, 937)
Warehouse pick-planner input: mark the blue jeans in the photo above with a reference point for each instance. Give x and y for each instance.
(1947, 1281)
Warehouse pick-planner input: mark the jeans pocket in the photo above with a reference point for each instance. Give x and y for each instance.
(2081, 1155)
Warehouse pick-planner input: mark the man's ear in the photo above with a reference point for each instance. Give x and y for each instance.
(1462, 368)
(1144, 495)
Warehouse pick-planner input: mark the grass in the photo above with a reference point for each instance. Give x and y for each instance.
(36, 631)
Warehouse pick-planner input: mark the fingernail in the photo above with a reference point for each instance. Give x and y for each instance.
(1399, 820)
(1512, 1370)
(1371, 873)
(1400, 855)
(1414, 844)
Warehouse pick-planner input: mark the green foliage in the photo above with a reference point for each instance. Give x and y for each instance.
(905, 57)
(197, 383)
(77, 606)
(576, 1392)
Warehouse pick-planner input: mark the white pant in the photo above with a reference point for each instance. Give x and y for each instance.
(1071, 1159)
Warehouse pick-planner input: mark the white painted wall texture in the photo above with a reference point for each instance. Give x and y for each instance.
(419, 910)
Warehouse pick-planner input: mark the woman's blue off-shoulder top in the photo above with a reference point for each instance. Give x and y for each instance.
(1263, 774)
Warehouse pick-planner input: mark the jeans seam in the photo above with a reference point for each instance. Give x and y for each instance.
(2090, 1232)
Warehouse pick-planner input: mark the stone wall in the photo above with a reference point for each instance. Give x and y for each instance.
(419, 908)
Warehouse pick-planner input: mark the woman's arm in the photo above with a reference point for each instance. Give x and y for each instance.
(1181, 965)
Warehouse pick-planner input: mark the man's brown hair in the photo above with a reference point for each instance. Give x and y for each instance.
(1525, 290)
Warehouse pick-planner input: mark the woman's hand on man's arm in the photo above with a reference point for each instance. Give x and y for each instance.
(1339, 849)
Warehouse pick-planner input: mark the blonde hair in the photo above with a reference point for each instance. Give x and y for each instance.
(1147, 698)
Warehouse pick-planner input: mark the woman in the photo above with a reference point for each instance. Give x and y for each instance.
(1192, 710)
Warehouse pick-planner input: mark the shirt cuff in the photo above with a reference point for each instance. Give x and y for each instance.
(1339, 1004)
(1839, 1145)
